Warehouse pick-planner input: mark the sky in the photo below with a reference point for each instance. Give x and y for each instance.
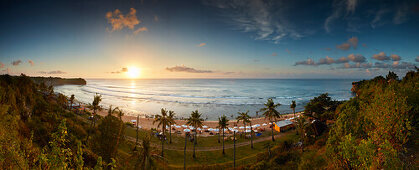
(209, 38)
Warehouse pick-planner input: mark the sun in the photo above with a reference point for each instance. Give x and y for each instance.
(133, 72)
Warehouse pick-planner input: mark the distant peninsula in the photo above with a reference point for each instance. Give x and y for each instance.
(58, 81)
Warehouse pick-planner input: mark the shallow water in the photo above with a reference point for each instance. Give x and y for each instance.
(212, 97)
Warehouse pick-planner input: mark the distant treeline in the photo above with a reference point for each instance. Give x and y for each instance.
(56, 81)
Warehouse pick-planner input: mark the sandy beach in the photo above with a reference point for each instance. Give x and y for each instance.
(147, 123)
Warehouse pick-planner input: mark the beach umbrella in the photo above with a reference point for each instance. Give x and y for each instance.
(216, 130)
(247, 130)
(257, 125)
(186, 130)
(191, 127)
(139, 127)
(241, 127)
(270, 123)
(184, 126)
(264, 124)
(210, 129)
(199, 128)
(247, 127)
(235, 127)
(204, 127)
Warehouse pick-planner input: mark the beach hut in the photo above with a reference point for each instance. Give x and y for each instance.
(282, 125)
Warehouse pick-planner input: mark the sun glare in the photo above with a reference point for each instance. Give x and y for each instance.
(133, 72)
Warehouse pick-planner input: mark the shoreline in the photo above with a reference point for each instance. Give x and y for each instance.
(147, 123)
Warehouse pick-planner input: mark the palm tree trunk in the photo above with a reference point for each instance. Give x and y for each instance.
(184, 154)
(136, 140)
(194, 145)
(234, 149)
(244, 130)
(251, 136)
(162, 143)
(219, 137)
(119, 134)
(293, 110)
(272, 131)
(170, 133)
(223, 142)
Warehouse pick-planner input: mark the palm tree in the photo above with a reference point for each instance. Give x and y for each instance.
(271, 114)
(245, 118)
(147, 156)
(268, 146)
(196, 121)
(301, 126)
(223, 123)
(95, 107)
(184, 152)
(163, 122)
(171, 118)
(292, 106)
(71, 101)
(234, 148)
(119, 113)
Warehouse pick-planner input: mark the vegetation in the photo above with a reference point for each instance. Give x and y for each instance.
(196, 121)
(376, 129)
(270, 113)
(223, 124)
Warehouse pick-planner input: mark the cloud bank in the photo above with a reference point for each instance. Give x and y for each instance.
(16, 63)
(52, 72)
(120, 21)
(186, 69)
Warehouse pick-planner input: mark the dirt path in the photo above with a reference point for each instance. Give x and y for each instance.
(212, 148)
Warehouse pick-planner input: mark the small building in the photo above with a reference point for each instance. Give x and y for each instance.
(283, 125)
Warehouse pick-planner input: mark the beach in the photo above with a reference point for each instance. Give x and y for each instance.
(147, 123)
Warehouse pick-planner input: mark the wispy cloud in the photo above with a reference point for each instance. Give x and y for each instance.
(122, 70)
(52, 72)
(263, 18)
(142, 29)
(401, 14)
(309, 62)
(1, 65)
(16, 63)
(339, 7)
(120, 21)
(201, 44)
(31, 62)
(352, 42)
(186, 69)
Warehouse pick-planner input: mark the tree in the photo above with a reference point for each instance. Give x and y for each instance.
(196, 121)
(392, 76)
(245, 118)
(223, 123)
(71, 102)
(270, 113)
(163, 121)
(119, 113)
(301, 126)
(292, 106)
(95, 107)
(146, 156)
(171, 119)
(106, 139)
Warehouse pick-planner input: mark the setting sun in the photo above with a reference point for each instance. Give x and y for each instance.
(133, 72)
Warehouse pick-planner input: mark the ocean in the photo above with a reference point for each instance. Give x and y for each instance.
(211, 97)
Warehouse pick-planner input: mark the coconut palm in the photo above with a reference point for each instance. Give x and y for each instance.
(71, 101)
(270, 113)
(95, 107)
(196, 121)
(268, 146)
(292, 106)
(163, 121)
(147, 156)
(301, 126)
(171, 118)
(223, 123)
(245, 118)
(119, 113)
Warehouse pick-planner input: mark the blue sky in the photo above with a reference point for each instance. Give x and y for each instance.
(209, 38)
